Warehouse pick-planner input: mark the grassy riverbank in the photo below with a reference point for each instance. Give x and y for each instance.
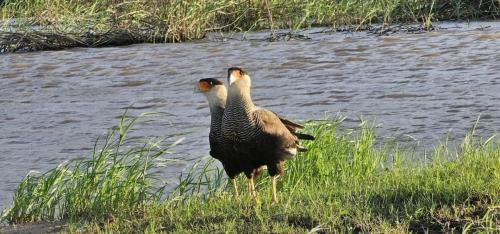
(345, 182)
(55, 24)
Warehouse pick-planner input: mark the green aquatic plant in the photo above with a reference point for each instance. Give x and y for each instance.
(118, 179)
(56, 24)
(345, 182)
(348, 181)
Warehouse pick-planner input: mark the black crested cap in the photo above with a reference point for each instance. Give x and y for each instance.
(212, 81)
(236, 69)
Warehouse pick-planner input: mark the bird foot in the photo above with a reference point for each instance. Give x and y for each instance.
(275, 201)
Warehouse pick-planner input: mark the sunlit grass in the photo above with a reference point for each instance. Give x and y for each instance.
(53, 24)
(117, 180)
(347, 181)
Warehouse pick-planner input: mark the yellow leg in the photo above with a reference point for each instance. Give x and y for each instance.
(235, 187)
(275, 197)
(253, 187)
(249, 183)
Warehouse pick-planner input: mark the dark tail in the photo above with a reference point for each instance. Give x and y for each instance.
(303, 136)
(301, 149)
(290, 125)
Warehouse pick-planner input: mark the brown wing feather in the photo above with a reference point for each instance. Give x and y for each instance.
(274, 130)
(289, 124)
(292, 127)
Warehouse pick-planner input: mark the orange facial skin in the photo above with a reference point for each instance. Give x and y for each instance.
(236, 74)
(203, 86)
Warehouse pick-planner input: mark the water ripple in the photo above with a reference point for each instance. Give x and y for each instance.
(54, 104)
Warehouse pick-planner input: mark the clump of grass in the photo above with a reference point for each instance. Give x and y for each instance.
(347, 181)
(92, 23)
(203, 178)
(117, 181)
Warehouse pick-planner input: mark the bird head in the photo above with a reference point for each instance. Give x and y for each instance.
(214, 90)
(238, 77)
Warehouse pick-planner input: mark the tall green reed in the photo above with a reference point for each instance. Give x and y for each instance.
(119, 180)
(348, 180)
(185, 20)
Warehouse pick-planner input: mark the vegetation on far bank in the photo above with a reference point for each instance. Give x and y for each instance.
(345, 182)
(54, 24)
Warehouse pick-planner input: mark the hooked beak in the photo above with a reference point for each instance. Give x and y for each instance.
(196, 89)
(233, 74)
(231, 79)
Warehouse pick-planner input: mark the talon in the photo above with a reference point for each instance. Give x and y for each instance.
(275, 196)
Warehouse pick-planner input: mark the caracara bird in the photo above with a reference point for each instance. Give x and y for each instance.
(216, 95)
(256, 136)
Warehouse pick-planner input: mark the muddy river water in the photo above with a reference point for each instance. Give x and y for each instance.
(54, 104)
